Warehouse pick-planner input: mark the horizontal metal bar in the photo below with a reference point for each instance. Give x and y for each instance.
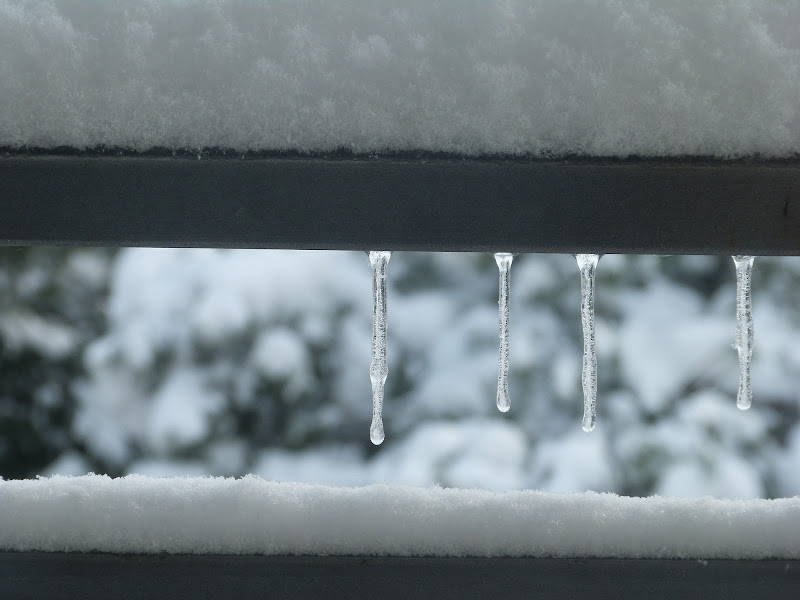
(43, 575)
(402, 203)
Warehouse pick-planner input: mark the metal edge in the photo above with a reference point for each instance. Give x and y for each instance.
(55, 575)
(427, 203)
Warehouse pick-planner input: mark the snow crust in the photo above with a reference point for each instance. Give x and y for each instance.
(250, 515)
(550, 77)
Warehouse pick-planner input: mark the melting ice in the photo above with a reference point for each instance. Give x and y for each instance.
(587, 264)
(744, 328)
(504, 260)
(378, 368)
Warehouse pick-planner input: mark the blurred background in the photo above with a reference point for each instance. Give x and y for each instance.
(227, 362)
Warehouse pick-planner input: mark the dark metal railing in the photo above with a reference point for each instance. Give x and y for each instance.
(62, 575)
(409, 202)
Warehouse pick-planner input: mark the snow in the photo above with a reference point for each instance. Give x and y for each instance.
(732, 478)
(24, 330)
(467, 453)
(71, 463)
(790, 464)
(550, 77)
(589, 465)
(206, 298)
(329, 465)
(182, 407)
(280, 354)
(681, 340)
(139, 514)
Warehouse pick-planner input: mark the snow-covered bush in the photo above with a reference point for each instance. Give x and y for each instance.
(51, 306)
(229, 362)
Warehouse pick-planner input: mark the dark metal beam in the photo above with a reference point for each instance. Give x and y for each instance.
(402, 203)
(60, 575)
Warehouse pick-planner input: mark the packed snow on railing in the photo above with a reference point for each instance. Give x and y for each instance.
(545, 77)
(587, 264)
(139, 514)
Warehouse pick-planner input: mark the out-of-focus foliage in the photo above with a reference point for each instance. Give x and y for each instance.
(52, 304)
(228, 362)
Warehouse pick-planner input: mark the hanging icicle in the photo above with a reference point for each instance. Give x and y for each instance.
(378, 368)
(587, 263)
(744, 328)
(504, 260)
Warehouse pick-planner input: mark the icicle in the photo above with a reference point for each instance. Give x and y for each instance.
(378, 368)
(504, 260)
(744, 328)
(587, 264)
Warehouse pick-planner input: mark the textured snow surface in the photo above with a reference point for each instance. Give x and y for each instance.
(251, 515)
(541, 77)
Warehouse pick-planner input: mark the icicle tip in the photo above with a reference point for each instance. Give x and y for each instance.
(376, 435)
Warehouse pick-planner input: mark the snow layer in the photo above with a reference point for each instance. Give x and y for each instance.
(251, 515)
(542, 77)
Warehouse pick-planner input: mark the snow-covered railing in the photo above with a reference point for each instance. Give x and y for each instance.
(250, 538)
(508, 129)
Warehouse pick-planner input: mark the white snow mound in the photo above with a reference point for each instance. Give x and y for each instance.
(250, 515)
(547, 77)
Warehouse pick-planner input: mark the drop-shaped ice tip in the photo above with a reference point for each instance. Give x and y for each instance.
(376, 434)
(589, 421)
(503, 402)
